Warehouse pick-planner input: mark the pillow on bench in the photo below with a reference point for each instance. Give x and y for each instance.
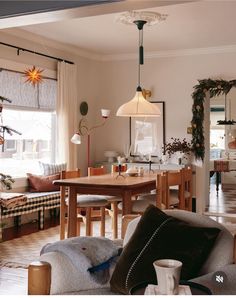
(42, 183)
(51, 169)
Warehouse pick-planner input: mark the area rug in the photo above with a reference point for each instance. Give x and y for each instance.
(20, 252)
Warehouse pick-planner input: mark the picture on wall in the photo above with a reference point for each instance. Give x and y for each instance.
(147, 134)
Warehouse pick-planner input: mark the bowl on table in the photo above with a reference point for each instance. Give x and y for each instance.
(132, 172)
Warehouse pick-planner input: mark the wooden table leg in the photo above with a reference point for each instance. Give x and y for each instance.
(72, 212)
(126, 203)
(217, 180)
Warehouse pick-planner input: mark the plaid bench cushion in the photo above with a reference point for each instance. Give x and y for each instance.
(38, 201)
(34, 200)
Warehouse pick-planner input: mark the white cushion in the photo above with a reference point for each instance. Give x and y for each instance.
(90, 201)
(50, 169)
(139, 206)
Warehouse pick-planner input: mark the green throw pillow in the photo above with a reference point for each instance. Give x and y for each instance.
(159, 236)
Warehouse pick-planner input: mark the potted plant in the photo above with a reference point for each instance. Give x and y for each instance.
(182, 149)
(6, 182)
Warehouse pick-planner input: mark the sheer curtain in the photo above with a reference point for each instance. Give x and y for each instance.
(67, 110)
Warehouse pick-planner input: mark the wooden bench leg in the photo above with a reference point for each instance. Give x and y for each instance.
(41, 219)
(17, 220)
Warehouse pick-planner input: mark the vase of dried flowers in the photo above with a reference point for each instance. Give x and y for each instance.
(179, 151)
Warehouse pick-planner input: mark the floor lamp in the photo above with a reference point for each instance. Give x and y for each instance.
(85, 130)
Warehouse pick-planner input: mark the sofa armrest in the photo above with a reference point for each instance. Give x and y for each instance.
(39, 278)
(65, 277)
(227, 288)
(126, 219)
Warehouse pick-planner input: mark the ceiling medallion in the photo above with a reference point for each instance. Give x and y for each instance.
(152, 18)
(33, 75)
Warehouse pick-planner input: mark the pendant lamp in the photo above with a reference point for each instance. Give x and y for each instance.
(138, 106)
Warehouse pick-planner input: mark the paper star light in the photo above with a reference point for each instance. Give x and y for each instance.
(33, 75)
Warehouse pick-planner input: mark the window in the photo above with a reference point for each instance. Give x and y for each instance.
(30, 112)
(10, 145)
(20, 153)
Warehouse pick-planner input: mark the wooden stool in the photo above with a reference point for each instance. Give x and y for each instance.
(39, 278)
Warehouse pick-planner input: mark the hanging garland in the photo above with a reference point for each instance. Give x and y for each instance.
(215, 88)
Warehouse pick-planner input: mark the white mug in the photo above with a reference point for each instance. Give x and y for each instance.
(168, 275)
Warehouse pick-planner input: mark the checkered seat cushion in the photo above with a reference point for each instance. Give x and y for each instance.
(37, 201)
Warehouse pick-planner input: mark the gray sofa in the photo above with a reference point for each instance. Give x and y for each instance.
(65, 279)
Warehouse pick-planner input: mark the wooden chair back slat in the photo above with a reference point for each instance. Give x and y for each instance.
(70, 174)
(65, 175)
(160, 190)
(96, 171)
(187, 176)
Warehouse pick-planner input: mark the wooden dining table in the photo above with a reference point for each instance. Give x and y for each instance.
(109, 184)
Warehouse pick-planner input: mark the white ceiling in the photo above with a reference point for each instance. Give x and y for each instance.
(191, 25)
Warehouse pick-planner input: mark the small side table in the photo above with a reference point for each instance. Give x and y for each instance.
(196, 289)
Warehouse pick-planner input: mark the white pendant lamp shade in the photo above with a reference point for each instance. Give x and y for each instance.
(76, 139)
(138, 107)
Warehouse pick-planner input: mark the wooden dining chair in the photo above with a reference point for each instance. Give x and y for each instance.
(182, 196)
(144, 200)
(87, 202)
(112, 201)
(187, 175)
(169, 192)
(174, 196)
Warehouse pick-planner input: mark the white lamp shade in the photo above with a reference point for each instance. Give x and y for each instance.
(138, 107)
(76, 139)
(105, 113)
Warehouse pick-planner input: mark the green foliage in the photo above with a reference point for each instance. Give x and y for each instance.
(178, 145)
(215, 88)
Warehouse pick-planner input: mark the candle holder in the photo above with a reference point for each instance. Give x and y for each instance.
(119, 172)
(150, 167)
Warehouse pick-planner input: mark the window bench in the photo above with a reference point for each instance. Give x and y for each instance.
(38, 201)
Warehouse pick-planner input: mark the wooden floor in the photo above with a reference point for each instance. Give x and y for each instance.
(223, 203)
(13, 281)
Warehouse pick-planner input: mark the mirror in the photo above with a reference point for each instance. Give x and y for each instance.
(147, 134)
(222, 137)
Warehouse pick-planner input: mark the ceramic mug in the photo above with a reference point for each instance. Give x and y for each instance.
(168, 275)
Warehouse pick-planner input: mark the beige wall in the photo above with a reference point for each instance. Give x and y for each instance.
(170, 79)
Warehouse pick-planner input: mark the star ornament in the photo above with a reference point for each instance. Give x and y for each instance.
(33, 75)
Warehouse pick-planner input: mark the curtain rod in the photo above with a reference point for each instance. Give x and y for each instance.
(17, 71)
(33, 52)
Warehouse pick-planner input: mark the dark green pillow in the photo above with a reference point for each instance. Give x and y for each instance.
(159, 236)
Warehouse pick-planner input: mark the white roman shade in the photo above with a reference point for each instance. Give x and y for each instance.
(25, 95)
